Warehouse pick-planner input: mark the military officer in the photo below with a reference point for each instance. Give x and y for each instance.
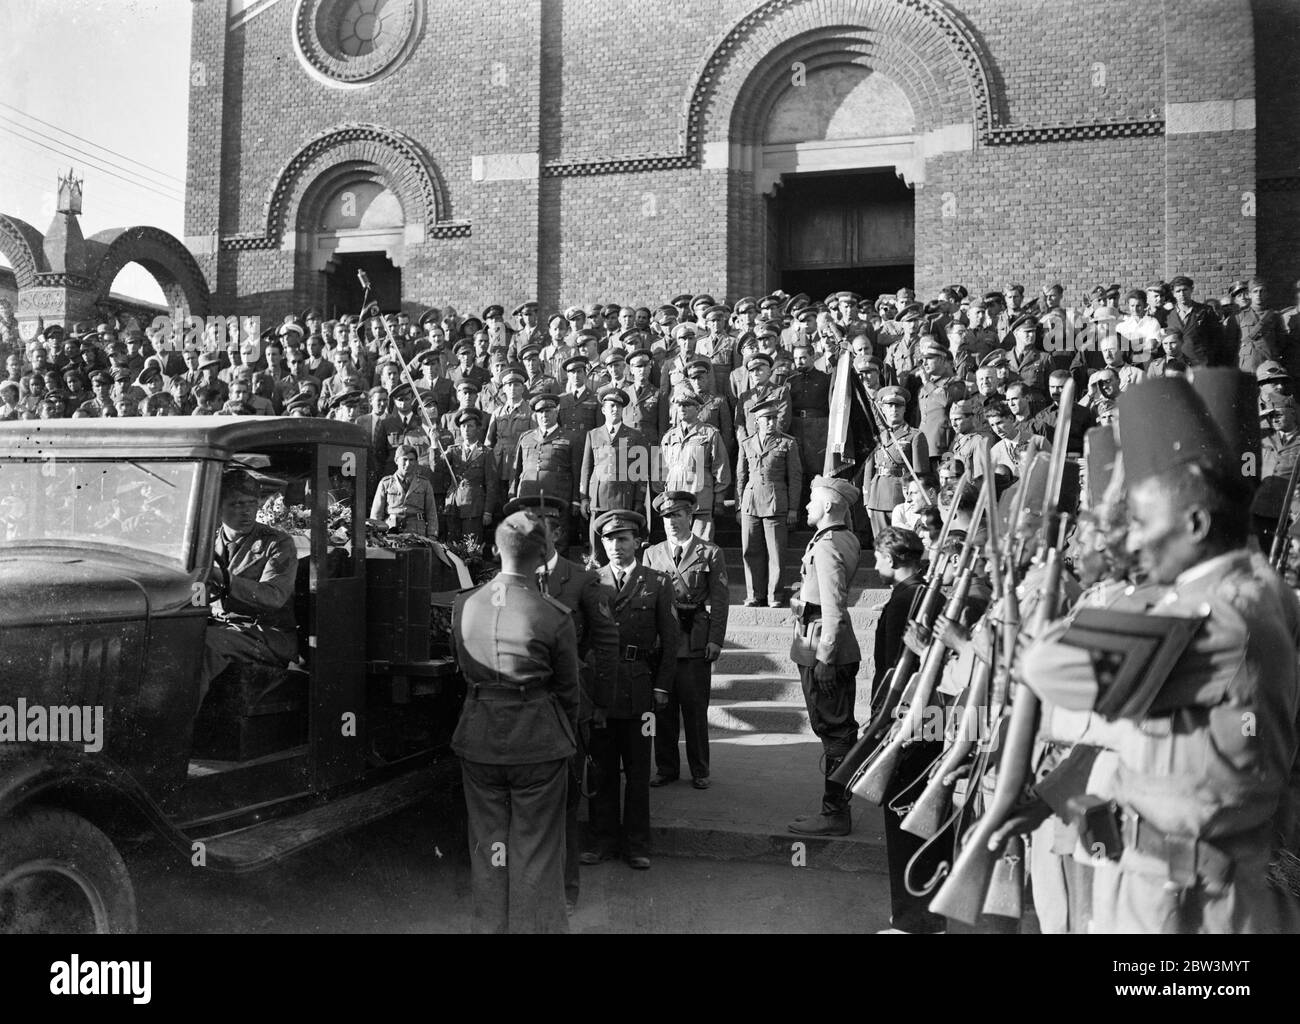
(761, 390)
(825, 646)
(939, 390)
(967, 430)
(693, 458)
(641, 600)
(769, 476)
(539, 381)
(405, 499)
(530, 330)
(519, 655)
(697, 570)
(647, 406)
(467, 397)
(810, 408)
(1200, 801)
(616, 465)
(579, 407)
(714, 408)
(548, 461)
(474, 495)
(1280, 450)
(465, 368)
(900, 452)
(509, 423)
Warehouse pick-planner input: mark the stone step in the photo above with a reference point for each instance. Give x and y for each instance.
(772, 717)
(864, 609)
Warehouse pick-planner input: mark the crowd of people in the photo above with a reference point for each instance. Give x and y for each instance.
(1148, 811)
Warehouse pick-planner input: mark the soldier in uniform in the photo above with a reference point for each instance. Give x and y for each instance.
(405, 499)
(518, 651)
(1280, 449)
(769, 476)
(615, 465)
(900, 451)
(1201, 802)
(825, 647)
(548, 461)
(579, 590)
(714, 408)
(473, 496)
(579, 407)
(539, 381)
(939, 390)
(693, 458)
(509, 423)
(810, 408)
(647, 406)
(698, 573)
(761, 390)
(641, 600)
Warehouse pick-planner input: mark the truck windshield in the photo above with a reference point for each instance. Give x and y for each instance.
(137, 505)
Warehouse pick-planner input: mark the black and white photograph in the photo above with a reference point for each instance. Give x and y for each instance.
(643, 468)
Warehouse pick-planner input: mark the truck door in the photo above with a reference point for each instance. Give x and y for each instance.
(338, 616)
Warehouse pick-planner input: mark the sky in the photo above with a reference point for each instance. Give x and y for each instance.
(114, 73)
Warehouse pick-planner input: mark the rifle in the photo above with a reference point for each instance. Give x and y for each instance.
(963, 893)
(1277, 554)
(875, 775)
(895, 682)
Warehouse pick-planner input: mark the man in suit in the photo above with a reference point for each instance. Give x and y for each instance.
(825, 647)
(615, 465)
(698, 573)
(519, 653)
(768, 478)
(548, 461)
(642, 604)
(579, 590)
(1199, 326)
(250, 587)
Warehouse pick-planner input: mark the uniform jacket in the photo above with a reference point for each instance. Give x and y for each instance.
(476, 374)
(810, 393)
(826, 572)
(478, 482)
(716, 412)
(579, 590)
(1278, 459)
(745, 422)
(551, 464)
(579, 410)
(1009, 454)
(505, 429)
(1255, 336)
(647, 410)
(769, 475)
(615, 470)
(647, 628)
(506, 634)
(263, 568)
(700, 596)
(893, 623)
(694, 459)
(1202, 334)
(395, 498)
(933, 400)
(885, 474)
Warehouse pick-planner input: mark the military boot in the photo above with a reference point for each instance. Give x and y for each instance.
(835, 818)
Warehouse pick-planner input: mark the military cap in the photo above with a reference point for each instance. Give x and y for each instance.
(665, 313)
(149, 374)
(806, 313)
(494, 310)
(685, 330)
(514, 375)
(472, 320)
(101, 377)
(347, 396)
(409, 450)
(209, 359)
(427, 355)
(121, 373)
(523, 307)
(842, 488)
(912, 311)
(1182, 281)
(687, 397)
(994, 359)
(428, 399)
(587, 334)
(309, 383)
(893, 395)
(671, 502)
(612, 393)
(769, 302)
(575, 313)
(54, 396)
(311, 314)
(1270, 370)
(577, 363)
(403, 390)
(594, 309)
(744, 305)
(619, 521)
(750, 340)
(301, 401)
(530, 350)
(58, 329)
(537, 505)
(716, 311)
(612, 310)
(1027, 320)
(934, 348)
(467, 385)
(612, 356)
(704, 299)
(771, 407)
(1165, 423)
(1272, 401)
(702, 363)
(639, 355)
(290, 328)
(758, 357)
(468, 415)
(545, 400)
(350, 319)
(464, 345)
(681, 300)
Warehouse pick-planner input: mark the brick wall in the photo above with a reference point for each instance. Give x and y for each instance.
(594, 80)
(1277, 143)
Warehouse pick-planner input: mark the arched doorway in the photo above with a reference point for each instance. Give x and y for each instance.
(351, 221)
(840, 210)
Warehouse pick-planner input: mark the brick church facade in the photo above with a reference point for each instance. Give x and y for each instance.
(572, 150)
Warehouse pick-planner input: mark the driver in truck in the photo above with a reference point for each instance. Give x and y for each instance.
(250, 590)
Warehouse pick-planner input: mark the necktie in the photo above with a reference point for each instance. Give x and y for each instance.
(619, 579)
(677, 556)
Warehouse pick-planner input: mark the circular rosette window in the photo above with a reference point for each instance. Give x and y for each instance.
(355, 42)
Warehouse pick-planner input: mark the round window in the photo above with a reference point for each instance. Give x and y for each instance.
(355, 42)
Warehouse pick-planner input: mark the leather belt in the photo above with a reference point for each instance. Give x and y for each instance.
(890, 471)
(633, 652)
(523, 691)
(809, 414)
(1188, 859)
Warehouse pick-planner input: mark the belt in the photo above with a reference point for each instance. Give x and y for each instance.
(408, 515)
(1188, 859)
(807, 414)
(634, 653)
(890, 471)
(523, 690)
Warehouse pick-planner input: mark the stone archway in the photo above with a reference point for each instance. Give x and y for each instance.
(23, 246)
(163, 255)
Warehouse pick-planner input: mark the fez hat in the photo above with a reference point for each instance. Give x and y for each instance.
(1164, 423)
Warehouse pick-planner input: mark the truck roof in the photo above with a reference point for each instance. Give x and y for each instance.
(169, 436)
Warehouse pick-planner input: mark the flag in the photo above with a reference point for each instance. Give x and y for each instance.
(852, 432)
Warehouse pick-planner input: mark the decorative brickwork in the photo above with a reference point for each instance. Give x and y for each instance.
(163, 255)
(21, 245)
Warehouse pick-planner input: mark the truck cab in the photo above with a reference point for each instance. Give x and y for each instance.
(107, 531)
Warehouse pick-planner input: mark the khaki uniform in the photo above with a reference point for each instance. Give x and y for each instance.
(647, 411)
(886, 474)
(409, 505)
(769, 477)
(745, 422)
(476, 493)
(550, 464)
(504, 430)
(694, 459)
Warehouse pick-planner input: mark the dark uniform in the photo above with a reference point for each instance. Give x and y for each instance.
(810, 410)
(508, 425)
(518, 651)
(647, 410)
(769, 477)
(615, 468)
(475, 493)
(579, 410)
(647, 632)
(698, 573)
(885, 474)
(824, 633)
(549, 464)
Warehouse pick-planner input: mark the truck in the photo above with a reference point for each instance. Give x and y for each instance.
(107, 531)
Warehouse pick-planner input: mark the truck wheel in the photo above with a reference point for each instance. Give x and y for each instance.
(60, 874)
